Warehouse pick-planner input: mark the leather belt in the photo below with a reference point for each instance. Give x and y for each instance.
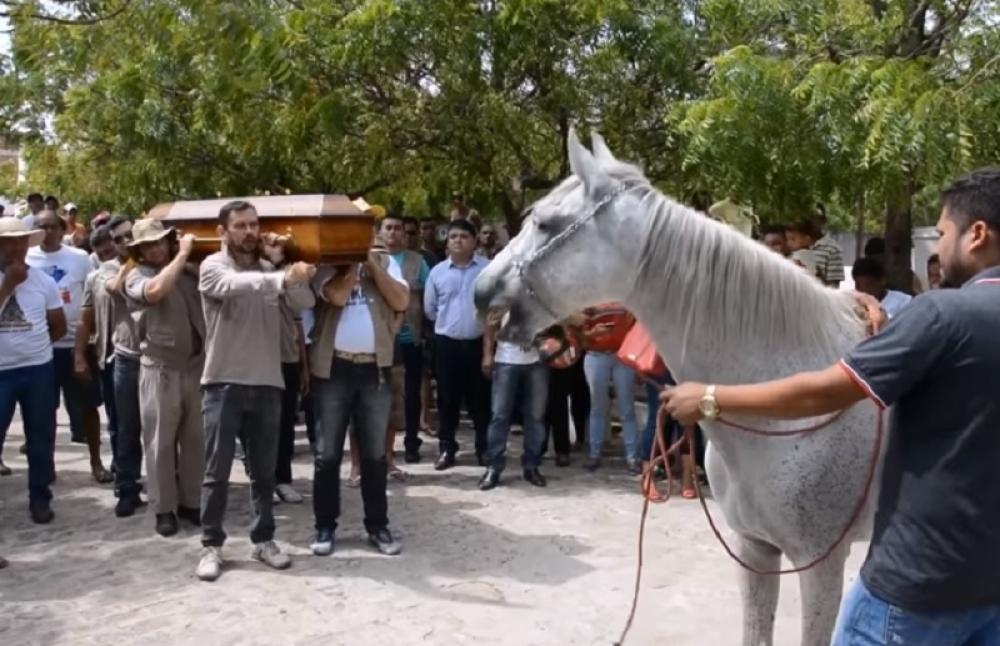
(355, 357)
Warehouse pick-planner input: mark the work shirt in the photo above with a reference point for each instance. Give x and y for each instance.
(172, 330)
(243, 320)
(449, 299)
(937, 527)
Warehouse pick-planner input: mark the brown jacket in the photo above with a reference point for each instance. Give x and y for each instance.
(324, 332)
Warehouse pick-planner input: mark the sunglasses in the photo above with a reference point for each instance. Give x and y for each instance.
(124, 237)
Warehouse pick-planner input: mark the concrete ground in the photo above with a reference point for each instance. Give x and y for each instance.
(514, 566)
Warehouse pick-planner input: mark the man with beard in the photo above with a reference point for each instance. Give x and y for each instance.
(932, 575)
(243, 381)
(106, 311)
(163, 291)
(69, 267)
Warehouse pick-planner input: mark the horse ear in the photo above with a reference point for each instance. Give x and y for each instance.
(601, 151)
(584, 165)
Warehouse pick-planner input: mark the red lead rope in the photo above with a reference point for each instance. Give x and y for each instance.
(660, 454)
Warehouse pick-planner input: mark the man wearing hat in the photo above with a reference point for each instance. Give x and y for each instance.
(69, 268)
(163, 292)
(31, 318)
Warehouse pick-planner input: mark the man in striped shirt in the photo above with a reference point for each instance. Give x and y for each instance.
(829, 258)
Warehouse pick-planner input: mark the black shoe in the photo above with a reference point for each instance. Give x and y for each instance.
(166, 524)
(412, 457)
(78, 439)
(445, 461)
(41, 512)
(127, 505)
(535, 477)
(383, 541)
(562, 460)
(191, 515)
(490, 479)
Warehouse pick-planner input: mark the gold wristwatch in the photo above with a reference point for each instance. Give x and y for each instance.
(709, 405)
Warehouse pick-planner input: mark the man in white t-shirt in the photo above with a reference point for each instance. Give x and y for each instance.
(869, 278)
(519, 379)
(69, 268)
(31, 317)
(350, 359)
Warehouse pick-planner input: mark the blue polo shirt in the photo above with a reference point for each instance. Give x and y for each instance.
(448, 298)
(936, 541)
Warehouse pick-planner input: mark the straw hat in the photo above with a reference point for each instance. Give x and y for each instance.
(147, 230)
(377, 210)
(11, 227)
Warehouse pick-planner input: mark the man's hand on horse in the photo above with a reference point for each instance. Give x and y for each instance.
(869, 309)
(682, 402)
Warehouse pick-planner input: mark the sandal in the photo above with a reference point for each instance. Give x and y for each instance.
(354, 482)
(689, 493)
(101, 475)
(398, 474)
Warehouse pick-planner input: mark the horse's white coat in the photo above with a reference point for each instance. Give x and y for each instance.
(722, 309)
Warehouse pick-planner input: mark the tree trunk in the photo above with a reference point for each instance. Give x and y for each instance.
(899, 236)
(859, 227)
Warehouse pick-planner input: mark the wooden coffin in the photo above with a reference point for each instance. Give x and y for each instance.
(315, 228)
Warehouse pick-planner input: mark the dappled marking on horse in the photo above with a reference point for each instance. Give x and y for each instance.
(722, 309)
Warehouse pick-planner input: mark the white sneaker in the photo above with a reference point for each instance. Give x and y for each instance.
(270, 554)
(287, 494)
(210, 565)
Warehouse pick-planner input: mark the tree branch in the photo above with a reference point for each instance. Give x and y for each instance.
(12, 11)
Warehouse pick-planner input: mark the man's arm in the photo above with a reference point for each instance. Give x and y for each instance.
(430, 298)
(83, 331)
(57, 323)
(806, 394)
(395, 293)
(336, 289)
(883, 368)
(218, 280)
(489, 348)
(159, 286)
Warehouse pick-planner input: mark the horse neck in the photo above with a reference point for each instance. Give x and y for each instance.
(723, 309)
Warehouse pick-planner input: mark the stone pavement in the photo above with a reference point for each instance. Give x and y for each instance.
(513, 566)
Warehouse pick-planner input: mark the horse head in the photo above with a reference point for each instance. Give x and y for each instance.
(578, 247)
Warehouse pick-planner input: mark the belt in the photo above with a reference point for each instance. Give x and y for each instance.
(355, 357)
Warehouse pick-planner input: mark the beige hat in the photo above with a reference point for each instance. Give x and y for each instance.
(148, 230)
(11, 227)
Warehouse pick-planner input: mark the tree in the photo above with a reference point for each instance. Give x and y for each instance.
(859, 103)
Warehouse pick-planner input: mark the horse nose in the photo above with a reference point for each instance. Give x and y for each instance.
(485, 292)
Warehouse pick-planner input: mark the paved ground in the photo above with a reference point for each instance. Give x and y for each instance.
(516, 566)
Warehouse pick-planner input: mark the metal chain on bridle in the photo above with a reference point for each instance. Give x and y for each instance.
(523, 266)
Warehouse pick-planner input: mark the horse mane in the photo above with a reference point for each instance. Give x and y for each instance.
(730, 288)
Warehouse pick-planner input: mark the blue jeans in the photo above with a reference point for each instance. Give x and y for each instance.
(602, 368)
(128, 420)
(359, 396)
(107, 373)
(866, 620)
(32, 388)
(527, 387)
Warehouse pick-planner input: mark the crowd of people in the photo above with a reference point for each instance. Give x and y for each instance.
(198, 365)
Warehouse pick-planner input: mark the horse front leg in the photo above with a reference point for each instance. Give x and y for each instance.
(822, 587)
(759, 592)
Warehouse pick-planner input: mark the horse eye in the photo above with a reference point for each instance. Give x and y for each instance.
(543, 227)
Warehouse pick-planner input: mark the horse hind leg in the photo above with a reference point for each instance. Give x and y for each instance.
(822, 587)
(759, 592)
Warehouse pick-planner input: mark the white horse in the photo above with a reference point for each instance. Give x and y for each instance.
(722, 309)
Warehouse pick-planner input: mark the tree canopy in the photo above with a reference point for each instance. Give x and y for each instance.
(866, 105)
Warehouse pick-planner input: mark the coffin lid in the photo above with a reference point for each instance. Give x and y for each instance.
(268, 206)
